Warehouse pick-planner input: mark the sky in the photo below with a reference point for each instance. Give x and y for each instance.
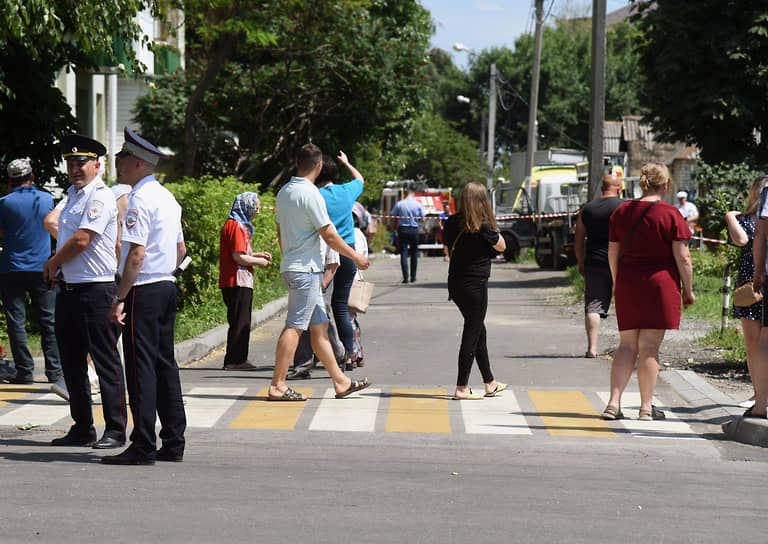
(481, 24)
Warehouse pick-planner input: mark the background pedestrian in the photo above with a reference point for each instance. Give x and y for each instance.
(26, 247)
(236, 262)
(741, 231)
(408, 211)
(648, 253)
(591, 247)
(339, 200)
(473, 238)
(302, 219)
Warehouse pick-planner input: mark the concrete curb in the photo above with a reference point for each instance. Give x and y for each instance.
(191, 350)
(713, 406)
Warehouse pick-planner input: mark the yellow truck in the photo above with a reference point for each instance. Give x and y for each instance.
(540, 212)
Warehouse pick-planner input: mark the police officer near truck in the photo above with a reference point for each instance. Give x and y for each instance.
(145, 303)
(84, 268)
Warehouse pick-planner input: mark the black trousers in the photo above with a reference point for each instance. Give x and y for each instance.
(239, 301)
(471, 297)
(83, 326)
(151, 371)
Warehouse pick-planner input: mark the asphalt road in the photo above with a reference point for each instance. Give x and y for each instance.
(400, 462)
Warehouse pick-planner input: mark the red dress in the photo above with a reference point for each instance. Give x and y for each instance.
(647, 290)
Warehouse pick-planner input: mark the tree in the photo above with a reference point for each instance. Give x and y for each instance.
(38, 38)
(563, 112)
(706, 65)
(290, 72)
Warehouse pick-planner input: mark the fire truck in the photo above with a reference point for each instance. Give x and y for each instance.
(438, 204)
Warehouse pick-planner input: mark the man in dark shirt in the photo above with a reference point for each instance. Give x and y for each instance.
(592, 255)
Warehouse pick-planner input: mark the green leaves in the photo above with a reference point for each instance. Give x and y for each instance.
(706, 64)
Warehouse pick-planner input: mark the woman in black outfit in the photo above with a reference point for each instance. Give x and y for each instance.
(472, 239)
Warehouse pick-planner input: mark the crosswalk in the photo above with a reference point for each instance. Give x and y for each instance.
(381, 409)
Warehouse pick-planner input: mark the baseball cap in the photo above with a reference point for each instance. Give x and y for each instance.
(681, 194)
(18, 168)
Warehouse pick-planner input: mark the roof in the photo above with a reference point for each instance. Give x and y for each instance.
(611, 136)
(623, 13)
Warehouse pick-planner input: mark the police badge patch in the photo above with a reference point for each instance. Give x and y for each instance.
(95, 209)
(130, 218)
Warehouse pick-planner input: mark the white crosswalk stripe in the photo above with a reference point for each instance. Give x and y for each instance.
(497, 415)
(206, 405)
(356, 413)
(39, 410)
(671, 427)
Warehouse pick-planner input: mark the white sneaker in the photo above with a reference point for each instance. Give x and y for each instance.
(60, 388)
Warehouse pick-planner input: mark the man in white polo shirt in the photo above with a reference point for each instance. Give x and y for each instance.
(84, 267)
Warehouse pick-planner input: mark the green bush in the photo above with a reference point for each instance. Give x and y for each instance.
(205, 203)
(722, 188)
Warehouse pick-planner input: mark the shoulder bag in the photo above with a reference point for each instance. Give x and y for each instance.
(360, 295)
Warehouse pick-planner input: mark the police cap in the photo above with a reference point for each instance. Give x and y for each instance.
(79, 147)
(139, 147)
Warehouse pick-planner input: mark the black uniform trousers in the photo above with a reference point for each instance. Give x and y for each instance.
(83, 326)
(151, 371)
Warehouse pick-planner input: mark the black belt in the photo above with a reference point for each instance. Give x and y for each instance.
(79, 286)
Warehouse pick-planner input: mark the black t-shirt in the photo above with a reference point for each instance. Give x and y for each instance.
(596, 216)
(473, 252)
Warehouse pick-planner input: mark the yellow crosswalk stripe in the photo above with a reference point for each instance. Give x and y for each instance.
(418, 411)
(569, 413)
(266, 414)
(9, 395)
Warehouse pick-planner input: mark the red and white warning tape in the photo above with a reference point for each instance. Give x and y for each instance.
(507, 217)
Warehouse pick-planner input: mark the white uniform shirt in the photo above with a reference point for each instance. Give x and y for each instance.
(92, 208)
(152, 220)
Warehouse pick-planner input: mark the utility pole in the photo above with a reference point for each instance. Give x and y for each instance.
(597, 99)
(533, 104)
(491, 127)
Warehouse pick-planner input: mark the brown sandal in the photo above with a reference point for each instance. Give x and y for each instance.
(612, 412)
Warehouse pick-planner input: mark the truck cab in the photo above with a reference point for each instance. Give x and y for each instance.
(520, 210)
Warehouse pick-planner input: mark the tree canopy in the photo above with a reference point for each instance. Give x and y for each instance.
(706, 65)
(38, 38)
(337, 74)
(563, 112)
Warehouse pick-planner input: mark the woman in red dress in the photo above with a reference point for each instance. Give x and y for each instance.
(648, 255)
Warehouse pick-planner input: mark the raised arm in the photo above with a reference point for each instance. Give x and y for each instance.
(352, 170)
(735, 231)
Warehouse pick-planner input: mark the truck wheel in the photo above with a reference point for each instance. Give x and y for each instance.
(558, 259)
(542, 253)
(512, 253)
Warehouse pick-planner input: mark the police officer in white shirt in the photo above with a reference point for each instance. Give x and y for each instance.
(152, 248)
(84, 269)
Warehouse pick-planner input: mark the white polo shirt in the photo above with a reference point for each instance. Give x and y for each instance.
(92, 208)
(152, 220)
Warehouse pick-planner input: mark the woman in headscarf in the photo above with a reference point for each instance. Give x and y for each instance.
(236, 262)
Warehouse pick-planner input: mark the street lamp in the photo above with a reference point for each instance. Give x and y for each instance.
(466, 100)
(491, 115)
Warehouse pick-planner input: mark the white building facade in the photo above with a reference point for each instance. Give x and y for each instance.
(102, 101)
